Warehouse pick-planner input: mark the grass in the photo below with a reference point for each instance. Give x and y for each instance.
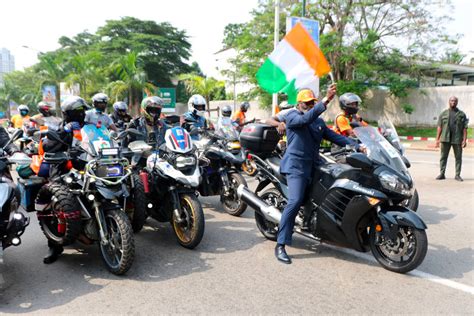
(424, 131)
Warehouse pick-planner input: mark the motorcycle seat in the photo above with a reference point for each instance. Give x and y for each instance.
(274, 163)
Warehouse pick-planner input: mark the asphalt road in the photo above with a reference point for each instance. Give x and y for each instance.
(233, 271)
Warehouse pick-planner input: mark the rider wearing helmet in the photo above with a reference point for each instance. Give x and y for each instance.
(120, 117)
(150, 124)
(97, 115)
(225, 120)
(18, 120)
(45, 117)
(74, 113)
(194, 118)
(239, 116)
(348, 118)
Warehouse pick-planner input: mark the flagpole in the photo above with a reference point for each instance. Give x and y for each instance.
(276, 39)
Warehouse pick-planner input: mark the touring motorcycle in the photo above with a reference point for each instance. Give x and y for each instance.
(355, 204)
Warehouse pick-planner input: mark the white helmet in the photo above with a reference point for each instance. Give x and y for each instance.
(197, 104)
(23, 107)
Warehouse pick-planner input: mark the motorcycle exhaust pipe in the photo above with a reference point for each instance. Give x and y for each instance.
(271, 213)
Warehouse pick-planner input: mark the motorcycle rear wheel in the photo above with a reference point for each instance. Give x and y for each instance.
(189, 229)
(233, 204)
(119, 253)
(268, 229)
(61, 222)
(411, 244)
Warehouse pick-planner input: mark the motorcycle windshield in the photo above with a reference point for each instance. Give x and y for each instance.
(226, 129)
(95, 138)
(388, 130)
(379, 149)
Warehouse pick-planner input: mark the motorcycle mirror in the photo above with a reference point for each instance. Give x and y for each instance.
(406, 162)
(358, 160)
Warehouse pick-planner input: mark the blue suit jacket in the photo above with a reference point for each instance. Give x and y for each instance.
(300, 152)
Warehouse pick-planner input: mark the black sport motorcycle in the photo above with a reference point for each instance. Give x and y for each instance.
(353, 204)
(220, 157)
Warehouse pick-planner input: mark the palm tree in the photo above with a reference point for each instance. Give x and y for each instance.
(132, 81)
(85, 72)
(204, 86)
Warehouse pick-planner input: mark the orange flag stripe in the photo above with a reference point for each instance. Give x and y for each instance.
(302, 42)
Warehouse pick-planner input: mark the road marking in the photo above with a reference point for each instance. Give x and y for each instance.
(417, 273)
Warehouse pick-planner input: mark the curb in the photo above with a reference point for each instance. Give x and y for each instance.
(429, 139)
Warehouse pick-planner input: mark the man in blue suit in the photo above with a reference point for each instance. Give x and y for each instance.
(305, 130)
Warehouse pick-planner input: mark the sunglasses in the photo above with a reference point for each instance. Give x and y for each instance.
(309, 103)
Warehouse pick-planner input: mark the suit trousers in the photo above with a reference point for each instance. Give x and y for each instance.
(457, 148)
(297, 185)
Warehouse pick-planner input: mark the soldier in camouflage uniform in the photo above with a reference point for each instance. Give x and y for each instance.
(452, 132)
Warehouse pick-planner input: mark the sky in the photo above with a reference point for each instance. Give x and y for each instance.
(38, 24)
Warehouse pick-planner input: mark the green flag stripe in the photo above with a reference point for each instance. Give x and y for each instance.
(272, 79)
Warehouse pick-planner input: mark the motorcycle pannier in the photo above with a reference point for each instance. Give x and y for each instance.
(260, 139)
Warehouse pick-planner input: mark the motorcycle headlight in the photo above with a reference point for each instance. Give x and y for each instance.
(183, 162)
(391, 182)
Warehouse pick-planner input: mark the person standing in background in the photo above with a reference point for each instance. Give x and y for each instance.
(452, 132)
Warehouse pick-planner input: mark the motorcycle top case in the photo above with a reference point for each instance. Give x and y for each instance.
(259, 138)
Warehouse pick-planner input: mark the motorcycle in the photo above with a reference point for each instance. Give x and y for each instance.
(169, 183)
(88, 204)
(13, 218)
(220, 156)
(353, 204)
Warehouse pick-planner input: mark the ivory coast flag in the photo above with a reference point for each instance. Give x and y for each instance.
(295, 63)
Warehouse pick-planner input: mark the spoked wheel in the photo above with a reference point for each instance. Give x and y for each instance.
(249, 167)
(413, 202)
(60, 220)
(189, 226)
(402, 255)
(119, 252)
(231, 201)
(269, 229)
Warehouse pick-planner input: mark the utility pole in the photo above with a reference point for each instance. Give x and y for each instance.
(304, 8)
(276, 39)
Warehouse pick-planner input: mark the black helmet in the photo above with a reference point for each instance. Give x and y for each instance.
(349, 102)
(99, 101)
(226, 111)
(74, 109)
(244, 106)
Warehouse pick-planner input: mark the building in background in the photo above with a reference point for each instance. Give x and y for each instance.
(7, 63)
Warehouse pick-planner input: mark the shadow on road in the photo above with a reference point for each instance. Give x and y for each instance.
(456, 263)
(432, 215)
(80, 271)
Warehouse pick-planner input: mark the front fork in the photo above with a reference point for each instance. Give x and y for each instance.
(177, 211)
(225, 180)
(99, 215)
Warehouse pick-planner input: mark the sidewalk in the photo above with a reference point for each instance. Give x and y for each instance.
(430, 146)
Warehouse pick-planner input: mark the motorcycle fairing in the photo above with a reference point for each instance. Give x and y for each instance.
(168, 170)
(178, 140)
(400, 215)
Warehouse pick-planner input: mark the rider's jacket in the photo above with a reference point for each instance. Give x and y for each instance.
(192, 121)
(120, 121)
(153, 135)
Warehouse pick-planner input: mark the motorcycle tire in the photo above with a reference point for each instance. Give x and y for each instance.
(190, 231)
(383, 252)
(240, 206)
(268, 229)
(140, 202)
(119, 253)
(413, 202)
(61, 223)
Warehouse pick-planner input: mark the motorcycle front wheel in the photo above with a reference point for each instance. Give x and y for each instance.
(232, 203)
(249, 167)
(119, 252)
(404, 254)
(189, 227)
(140, 202)
(267, 228)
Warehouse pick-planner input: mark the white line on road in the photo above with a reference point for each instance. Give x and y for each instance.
(420, 274)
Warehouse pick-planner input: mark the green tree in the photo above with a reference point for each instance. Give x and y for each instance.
(132, 81)
(209, 88)
(360, 38)
(86, 71)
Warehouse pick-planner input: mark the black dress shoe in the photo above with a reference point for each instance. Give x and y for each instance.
(440, 177)
(53, 254)
(281, 255)
(458, 178)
